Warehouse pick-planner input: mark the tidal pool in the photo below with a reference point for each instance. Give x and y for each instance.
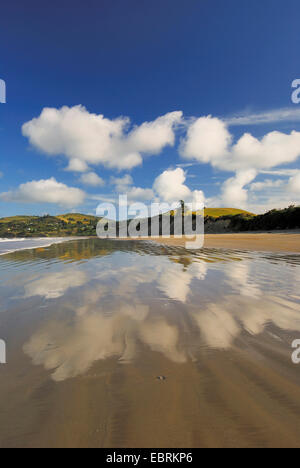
(136, 344)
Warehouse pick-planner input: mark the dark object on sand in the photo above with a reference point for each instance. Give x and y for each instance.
(161, 377)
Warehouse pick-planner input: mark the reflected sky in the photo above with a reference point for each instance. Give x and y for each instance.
(92, 300)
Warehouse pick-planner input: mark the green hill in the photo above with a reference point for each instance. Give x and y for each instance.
(48, 226)
(20, 219)
(73, 218)
(218, 212)
(216, 220)
(274, 220)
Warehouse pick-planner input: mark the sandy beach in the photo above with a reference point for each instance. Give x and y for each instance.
(84, 365)
(260, 242)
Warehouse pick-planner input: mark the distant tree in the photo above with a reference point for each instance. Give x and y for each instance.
(182, 205)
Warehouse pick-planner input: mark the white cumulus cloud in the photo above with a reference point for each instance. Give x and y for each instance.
(86, 138)
(294, 184)
(274, 149)
(77, 165)
(170, 187)
(266, 184)
(234, 193)
(208, 140)
(136, 194)
(92, 179)
(122, 184)
(45, 191)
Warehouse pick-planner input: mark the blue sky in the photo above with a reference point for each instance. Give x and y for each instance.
(144, 60)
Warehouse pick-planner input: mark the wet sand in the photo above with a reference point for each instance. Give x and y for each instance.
(236, 400)
(83, 361)
(260, 242)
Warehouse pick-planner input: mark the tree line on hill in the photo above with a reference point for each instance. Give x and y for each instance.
(288, 218)
(52, 226)
(47, 226)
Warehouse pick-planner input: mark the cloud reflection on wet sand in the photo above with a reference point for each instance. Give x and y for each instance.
(91, 324)
(155, 303)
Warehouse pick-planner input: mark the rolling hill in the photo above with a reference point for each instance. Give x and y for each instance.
(48, 226)
(218, 212)
(216, 220)
(73, 218)
(21, 219)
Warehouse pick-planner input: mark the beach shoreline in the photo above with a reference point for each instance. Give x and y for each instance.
(8, 246)
(279, 241)
(283, 241)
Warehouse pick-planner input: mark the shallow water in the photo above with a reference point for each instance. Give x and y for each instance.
(13, 245)
(90, 325)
